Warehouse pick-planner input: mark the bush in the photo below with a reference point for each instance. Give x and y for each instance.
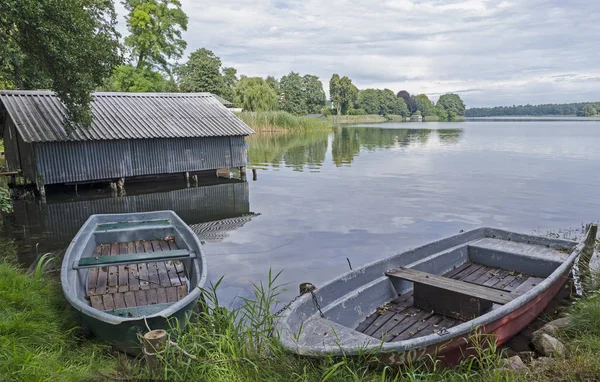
(281, 120)
(357, 112)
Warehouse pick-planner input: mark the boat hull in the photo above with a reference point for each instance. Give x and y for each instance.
(452, 351)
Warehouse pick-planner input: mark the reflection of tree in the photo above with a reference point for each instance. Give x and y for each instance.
(449, 136)
(345, 145)
(295, 149)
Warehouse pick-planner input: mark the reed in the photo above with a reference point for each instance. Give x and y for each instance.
(282, 121)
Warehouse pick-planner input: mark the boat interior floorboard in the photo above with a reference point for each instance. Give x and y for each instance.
(128, 286)
(400, 320)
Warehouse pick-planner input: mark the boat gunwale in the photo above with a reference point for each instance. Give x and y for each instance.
(286, 336)
(70, 292)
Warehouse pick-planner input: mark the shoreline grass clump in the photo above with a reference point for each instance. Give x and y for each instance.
(282, 121)
(40, 337)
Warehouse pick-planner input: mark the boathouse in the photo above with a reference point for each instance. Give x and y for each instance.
(132, 135)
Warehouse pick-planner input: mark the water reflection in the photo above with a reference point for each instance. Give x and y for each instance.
(212, 210)
(298, 150)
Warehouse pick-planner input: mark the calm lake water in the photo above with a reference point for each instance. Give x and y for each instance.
(362, 193)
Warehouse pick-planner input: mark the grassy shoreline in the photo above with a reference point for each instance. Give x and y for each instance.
(277, 121)
(40, 340)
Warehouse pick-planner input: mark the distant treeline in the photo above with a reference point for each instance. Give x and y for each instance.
(584, 109)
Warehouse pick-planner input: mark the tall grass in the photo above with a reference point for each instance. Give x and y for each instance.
(239, 345)
(369, 118)
(281, 121)
(40, 337)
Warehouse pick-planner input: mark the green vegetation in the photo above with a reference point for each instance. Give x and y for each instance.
(296, 149)
(155, 28)
(382, 102)
(203, 72)
(301, 95)
(69, 46)
(352, 119)
(253, 94)
(343, 93)
(39, 334)
(580, 109)
(281, 121)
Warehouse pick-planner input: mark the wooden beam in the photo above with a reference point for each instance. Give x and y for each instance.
(102, 261)
(452, 298)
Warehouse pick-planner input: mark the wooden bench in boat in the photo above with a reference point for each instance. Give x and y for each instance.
(451, 298)
(133, 258)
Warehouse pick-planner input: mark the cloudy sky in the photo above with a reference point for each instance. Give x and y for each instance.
(494, 52)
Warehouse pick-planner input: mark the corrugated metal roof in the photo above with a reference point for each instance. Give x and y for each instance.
(39, 116)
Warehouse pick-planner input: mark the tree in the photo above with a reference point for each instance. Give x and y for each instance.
(343, 93)
(452, 104)
(229, 81)
(410, 101)
(587, 110)
(383, 102)
(313, 93)
(293, 99)
(201, 73)
(273, 83)
(369, 100)
(127, 78)
(254, 94)
(424, 105)
(155, 28)
(69, 46)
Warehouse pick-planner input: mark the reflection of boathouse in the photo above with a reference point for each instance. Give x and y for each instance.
(132, 135)
(212, 211)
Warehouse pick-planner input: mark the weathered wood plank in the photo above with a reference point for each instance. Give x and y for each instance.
(119, 300)
(403, 301)
(162, 269)
(171, 271)
(103, 272)
(397, 318)
(97, 302)
(124, 258)
(406, 325)
(528, 285)
(416, 329)
(447, 284)
(172, 294)
(113, 271)
(497, 279)
(152, 296)
(123, 272)
(133, 269)
(141, 298)
(179, 267)
(458, 269)
(130, 299)
(182, 291)
(467, 271)
(161, 295)
(109, 303)
(92, 277)
(475, 275)
(143, 275)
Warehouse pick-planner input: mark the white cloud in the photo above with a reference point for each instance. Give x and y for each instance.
(491, 51)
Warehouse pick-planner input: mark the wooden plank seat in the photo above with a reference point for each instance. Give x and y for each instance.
(101, 261)
(136, 274)
(449, 297)
(132, 225)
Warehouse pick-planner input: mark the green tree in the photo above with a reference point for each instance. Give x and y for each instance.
(229, 81)
(369, 100)
(410, 101)
(201, 73)
(254, 94)
(273, 83)
(155, 28)
(127, 78)
(69, 46)
(588, 110)
(424, 105)
(452, 104)
(314, 94)
(293, 98)
(343, 93)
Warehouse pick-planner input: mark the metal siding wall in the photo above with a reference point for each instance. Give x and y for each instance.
(65, 162)
(11, 150)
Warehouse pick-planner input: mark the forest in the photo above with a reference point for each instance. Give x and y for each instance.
(586, 109)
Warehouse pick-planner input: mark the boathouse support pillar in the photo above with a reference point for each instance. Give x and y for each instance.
(187, 179)
(41, 188)
(243, 173)
(254, 175)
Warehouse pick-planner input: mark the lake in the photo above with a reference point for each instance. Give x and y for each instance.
(358, 194)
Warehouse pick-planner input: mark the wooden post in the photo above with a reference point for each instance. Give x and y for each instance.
(243, 173)
(254, 175)
(195, 177)
(583, 263)
(121, 186)
(187, 179)
(154, 343)
(42, 190)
